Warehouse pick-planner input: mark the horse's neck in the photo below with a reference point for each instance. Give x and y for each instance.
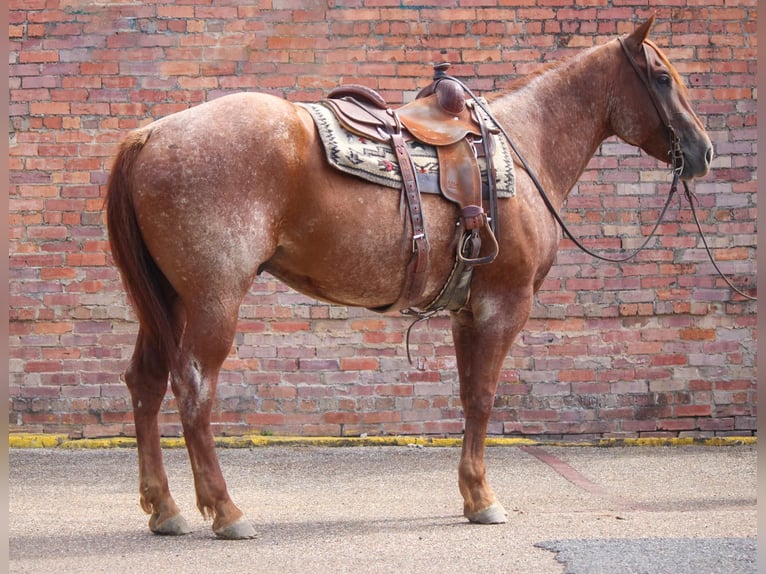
(559, 119)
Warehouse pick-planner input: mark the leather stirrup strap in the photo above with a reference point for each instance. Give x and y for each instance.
(417, 270)
(491, 188)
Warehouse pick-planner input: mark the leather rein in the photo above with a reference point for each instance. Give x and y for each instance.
(676, 159)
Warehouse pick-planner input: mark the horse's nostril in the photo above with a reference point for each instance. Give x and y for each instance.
(709, 155)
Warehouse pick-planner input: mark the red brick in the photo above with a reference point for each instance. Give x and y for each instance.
(52, 328)
(697, 334)
(172, 11)
(381, 417)
(716, 424)
(179, 68)
(359, 364)
(49, 108)
(290, 326)
(341, 418)
(678, 424)
(43, 366)
(276, 392)
(265, 419)
(394, 390)
(693, 410)
(733, 385)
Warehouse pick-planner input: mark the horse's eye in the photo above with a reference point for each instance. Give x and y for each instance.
(663, 80)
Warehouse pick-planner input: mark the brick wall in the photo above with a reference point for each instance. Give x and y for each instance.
(658, 346)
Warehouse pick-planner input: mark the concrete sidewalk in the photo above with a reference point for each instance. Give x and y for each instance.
(574, 510)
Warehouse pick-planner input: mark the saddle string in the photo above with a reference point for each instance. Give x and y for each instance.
(494, 220)
(468, 252)
(418, 318)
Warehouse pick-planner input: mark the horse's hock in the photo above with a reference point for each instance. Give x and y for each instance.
(654, 347)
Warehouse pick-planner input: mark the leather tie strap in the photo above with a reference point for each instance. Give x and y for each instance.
(417, 270)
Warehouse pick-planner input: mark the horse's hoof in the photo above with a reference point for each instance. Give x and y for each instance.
(173, 526)
(494, 514)
(238, 530)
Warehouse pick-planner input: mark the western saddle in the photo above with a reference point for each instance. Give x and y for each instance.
(441, 116)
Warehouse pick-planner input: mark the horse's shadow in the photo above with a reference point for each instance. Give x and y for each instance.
(131, 541)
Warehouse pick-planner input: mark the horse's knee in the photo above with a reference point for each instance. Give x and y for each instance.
(478, 405)
(472, 470)
(194, 386)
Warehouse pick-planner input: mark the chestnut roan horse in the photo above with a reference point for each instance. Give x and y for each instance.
(202, 201)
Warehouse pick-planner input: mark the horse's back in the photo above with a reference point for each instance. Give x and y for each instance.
(219, 134)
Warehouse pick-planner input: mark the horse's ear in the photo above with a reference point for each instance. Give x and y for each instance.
(634, 40)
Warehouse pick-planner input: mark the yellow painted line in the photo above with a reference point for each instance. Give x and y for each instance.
(25, 440)
(99, 443)
(684, 441)
(30, 440)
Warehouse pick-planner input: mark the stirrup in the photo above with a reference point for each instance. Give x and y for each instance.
(487, 258)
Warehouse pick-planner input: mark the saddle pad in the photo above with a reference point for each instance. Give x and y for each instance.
(376, 162)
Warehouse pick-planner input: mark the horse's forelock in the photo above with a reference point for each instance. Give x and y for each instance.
(673, 72)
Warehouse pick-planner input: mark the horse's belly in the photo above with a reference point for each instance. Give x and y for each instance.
(356, 290)
(360, 258)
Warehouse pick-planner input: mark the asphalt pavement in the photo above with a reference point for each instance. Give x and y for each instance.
(380, 509)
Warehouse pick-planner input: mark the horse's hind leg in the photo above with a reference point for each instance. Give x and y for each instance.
(147, 380)
(207, 341)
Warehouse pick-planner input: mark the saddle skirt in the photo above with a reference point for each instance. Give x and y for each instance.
(376, 161)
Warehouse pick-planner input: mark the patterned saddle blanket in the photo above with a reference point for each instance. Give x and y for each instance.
(376, 162)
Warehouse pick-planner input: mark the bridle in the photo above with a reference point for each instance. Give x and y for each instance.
(676, 159)
(675, 153)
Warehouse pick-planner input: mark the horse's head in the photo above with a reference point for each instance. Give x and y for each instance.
(650, 107)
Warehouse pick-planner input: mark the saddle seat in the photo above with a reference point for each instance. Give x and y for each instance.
(428, 121)
(441, 118)
(363, 111)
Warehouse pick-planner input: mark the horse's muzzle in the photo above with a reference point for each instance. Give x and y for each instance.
(698, 165)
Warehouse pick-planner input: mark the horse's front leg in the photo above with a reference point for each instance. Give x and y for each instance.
(482, 342)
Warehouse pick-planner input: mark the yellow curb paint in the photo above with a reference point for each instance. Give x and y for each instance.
(99, 443)
(683, 441)
(29, 440)
(170, 442)
(25, 440)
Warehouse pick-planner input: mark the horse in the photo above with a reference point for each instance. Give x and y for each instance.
(202, 201)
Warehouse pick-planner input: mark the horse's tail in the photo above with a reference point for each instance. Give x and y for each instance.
(146, 285)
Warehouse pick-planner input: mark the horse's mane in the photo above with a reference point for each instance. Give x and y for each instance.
(522, 81)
